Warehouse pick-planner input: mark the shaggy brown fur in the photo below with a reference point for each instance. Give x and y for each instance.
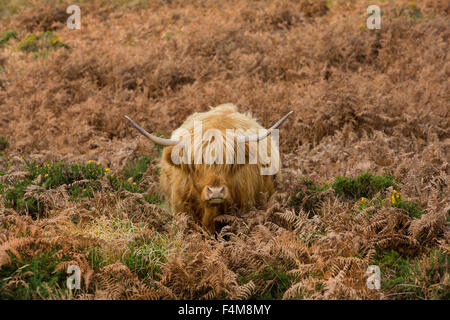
(184, 185)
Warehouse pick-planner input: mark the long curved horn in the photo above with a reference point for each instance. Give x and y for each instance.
(155, 139)
(261, 136)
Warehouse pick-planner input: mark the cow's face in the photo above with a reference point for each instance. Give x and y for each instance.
(213, 186)
(210, 188)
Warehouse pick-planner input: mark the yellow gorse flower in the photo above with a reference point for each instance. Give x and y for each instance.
(395, 196)
(107, 169)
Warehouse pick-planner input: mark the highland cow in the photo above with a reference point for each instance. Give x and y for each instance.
(204, 173)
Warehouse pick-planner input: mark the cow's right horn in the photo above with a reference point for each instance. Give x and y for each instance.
(261, 136)
(155, 139)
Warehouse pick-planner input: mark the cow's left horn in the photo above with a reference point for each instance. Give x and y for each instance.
(257, 137)
(155, 139)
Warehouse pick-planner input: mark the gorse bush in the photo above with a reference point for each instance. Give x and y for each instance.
(413, 209)
(6, 36)
(43, 41)
(364, 185)
(53, 174)
(80, 180)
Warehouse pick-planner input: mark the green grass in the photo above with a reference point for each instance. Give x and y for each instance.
(3, 143)
(407, 277)
(415, 210)
(365, 185)
(144, 256)
(95, 258)
(308, 195)
(6, 36)
(147, 254)
(152, 198)
(410, 10)
(15, 198)
(280, 281)
(131, 177)
(81, 181)
(136, 168)
(395, 269)
(37, 275)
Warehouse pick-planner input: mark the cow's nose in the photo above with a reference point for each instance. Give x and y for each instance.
(215, 193)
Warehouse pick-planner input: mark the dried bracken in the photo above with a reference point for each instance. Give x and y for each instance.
(363, 100)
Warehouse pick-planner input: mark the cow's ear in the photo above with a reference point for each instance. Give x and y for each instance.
(167, 157)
